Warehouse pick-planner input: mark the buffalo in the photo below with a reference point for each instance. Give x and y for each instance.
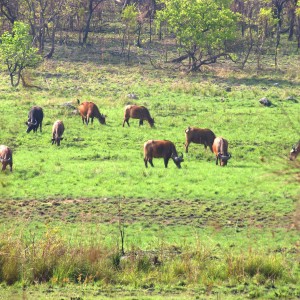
(295, 151)
(199, 136)
(6, 157)
(35, 119)
(89, 110)
(57, 132)
(220, 149)
(161, 149)
(137, 112)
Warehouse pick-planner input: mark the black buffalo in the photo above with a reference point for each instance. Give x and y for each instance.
(35, 119)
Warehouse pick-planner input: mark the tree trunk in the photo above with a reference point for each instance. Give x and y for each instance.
(88, 22)
(50, 54)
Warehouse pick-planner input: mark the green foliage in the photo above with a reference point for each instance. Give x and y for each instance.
(17, 53)
(200, 26)
(129, 17)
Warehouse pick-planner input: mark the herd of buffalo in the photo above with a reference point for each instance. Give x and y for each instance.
(152, 149)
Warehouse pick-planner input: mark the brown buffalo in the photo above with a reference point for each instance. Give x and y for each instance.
(57, 132)
(137, 112)
(6, 157)
(220, 149)
(199, 136)
(295, 151)
(89, 110)
(161, 148)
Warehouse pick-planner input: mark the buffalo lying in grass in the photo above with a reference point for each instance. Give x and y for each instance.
(295, 151)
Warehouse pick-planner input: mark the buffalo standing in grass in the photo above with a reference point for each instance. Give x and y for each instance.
(295, 151)
(137, 112)
(161, 149)
(57, 132)
(220, 149)
(199, 136)
(35, 119)
(89, 110)
(6, 157)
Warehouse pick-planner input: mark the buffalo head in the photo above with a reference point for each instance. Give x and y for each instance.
(177, 160)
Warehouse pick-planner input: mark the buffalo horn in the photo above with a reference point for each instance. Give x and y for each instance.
(31, 123)
(225, 157)
(5, 160)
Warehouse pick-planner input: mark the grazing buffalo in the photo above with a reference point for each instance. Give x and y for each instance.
(137, 112)
(89, 110)
(220, 149)
(57, 132)
(295, 151)
(199, 136)
(6, 157)
(161, 148)
(35, 119)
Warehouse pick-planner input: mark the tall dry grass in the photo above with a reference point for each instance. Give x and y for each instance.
(51, 259)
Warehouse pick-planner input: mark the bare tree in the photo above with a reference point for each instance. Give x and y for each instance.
(10, 9)
(92, 6)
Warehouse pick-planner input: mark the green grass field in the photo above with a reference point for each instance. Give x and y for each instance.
(97, 176)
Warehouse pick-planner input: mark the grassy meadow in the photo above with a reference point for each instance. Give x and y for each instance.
(215, 233)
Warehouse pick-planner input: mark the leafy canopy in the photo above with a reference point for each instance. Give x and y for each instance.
(16, 51)
(200, 25)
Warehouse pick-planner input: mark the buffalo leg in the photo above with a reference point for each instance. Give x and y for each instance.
(187, 147)
(166, 162)
(151, 163)
(146, 162)
(217, 158)
(10, 167)
(141, 122)
(41, 127)
(127, 121)
(92, 120)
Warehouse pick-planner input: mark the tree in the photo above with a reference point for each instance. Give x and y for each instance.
(92, 6)
(17, 53)
(129, 19)
(43, 17)
(202, 27)
(9, 8)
